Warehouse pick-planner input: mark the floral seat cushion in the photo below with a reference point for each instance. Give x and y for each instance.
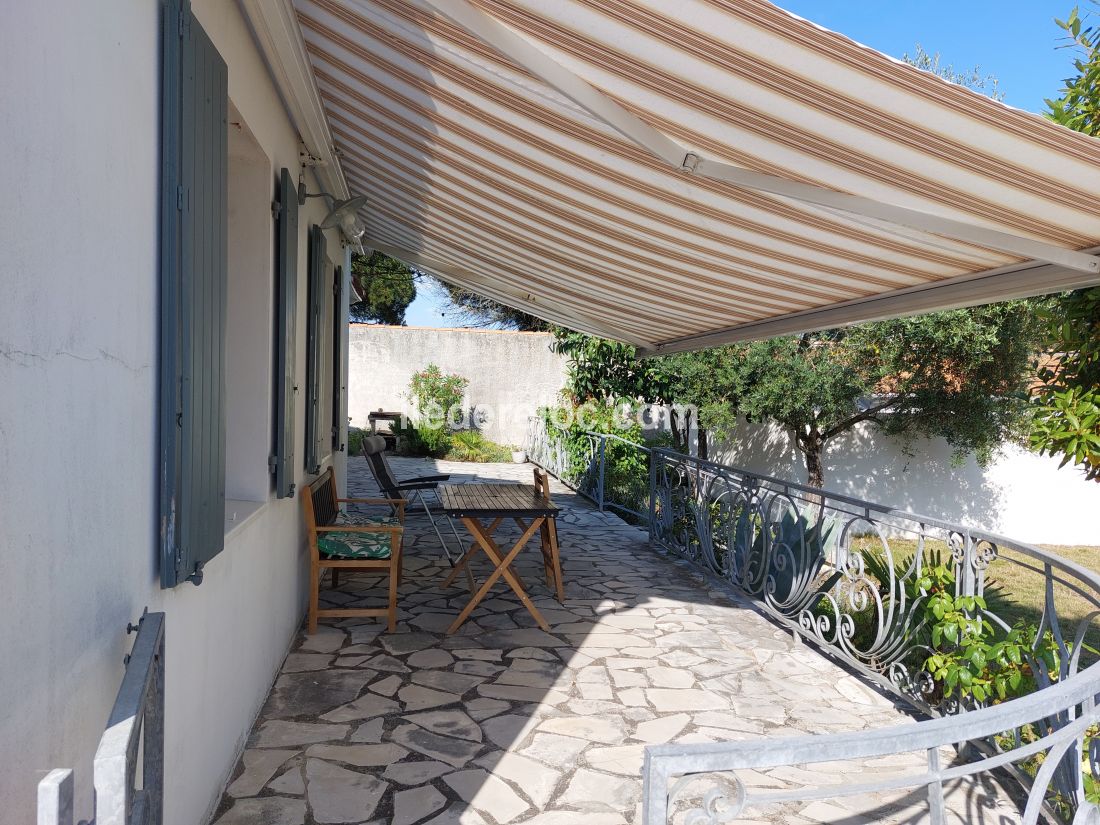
(354, 545)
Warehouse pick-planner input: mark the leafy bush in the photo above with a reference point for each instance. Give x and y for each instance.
(355, 440)
(436, 395)
(422, 441)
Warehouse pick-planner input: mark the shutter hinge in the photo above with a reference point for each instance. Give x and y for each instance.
(181, 197)
(272, 463)
(182, 22)
(179, 558)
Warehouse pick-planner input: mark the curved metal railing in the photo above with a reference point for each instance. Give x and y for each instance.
(856, 579)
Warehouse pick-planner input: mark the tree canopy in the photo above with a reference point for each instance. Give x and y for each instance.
(1067, 405)
(388, 287)
(476, 310)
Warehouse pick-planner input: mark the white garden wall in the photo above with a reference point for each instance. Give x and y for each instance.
(510, 373)
(1020, 494)
(78, 408)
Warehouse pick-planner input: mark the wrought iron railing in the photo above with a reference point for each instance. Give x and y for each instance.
(856, 579)
(587, 461)
(132, 740)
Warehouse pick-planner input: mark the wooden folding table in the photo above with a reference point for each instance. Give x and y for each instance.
(482, 508)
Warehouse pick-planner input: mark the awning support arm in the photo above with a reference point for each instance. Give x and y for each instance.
(525, 54)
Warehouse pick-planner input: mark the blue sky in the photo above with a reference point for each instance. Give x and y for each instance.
(1014, 40)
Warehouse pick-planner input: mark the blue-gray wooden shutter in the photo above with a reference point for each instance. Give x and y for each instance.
(282, 461)
(194, 206)
(317, 261)
(337, 357)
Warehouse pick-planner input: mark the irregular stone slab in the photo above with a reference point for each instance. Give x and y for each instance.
(415, 773)
(488, 794)
(431, 658)
(482, 708)
(458, 814)
(480, 654)
(455, 752)
(271, 810)
(339, 795)
(388, 664)
(387, 686)
(351, 661)
(661, 730)
(298, 662)
(591, 791)
(259, 766)
(433, 622)
(280, 734)
(325, 640)
(534, 653)
(522, 694)
(362, 708)
(311, 694)
(447, 722)
(520, 637)
(292, 782)
(416, 697)
(625, 760)
(399, 644)
(369, 732)
(526, 678)
(413, 805)
(363, 756)
(694, 640)
(670, 677)
(475, 668)
(628, 679)
(446, 681)
(575, 818)
(669, 700)
(554, 749)
(508, 730)
(533, 778)
(727, 720)
(607, 729)
(633, 698)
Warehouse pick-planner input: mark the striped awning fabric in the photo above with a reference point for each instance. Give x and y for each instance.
(678, 175)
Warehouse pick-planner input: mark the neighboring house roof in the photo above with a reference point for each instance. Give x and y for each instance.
(725, 172)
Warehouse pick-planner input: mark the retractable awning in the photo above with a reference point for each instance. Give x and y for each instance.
(679, 175)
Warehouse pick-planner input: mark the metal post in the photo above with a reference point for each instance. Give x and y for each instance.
(601, 481)
(654, 457)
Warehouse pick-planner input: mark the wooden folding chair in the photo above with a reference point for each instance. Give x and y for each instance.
(371, 544)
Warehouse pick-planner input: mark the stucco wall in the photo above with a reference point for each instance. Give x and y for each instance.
(78, 367)
(510, 373)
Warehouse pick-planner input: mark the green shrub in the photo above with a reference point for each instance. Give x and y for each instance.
(471, 445)
(355, 440)
(421, 441)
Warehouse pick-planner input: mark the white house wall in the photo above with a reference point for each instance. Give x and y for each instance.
(78, 442)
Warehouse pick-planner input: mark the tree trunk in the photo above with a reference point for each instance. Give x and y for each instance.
(812, 449)
(702, 439)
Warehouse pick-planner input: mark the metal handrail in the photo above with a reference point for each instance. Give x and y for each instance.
(136, 724)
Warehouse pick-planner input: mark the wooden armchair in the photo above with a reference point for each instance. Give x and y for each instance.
(371, 543)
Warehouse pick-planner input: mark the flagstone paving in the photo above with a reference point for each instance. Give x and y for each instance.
(504, 723)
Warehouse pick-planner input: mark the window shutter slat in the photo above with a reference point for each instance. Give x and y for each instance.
(314, 366)
(287, 288)
(193, 295)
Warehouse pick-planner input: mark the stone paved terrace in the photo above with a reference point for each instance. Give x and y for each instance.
(503, 723)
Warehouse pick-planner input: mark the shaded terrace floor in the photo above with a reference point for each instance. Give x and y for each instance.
(503, 723)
